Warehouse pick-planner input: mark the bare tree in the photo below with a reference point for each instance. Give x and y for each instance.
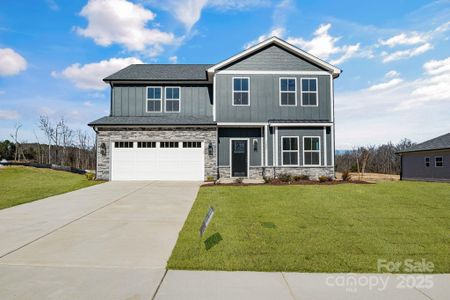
(46, 126)
(15, 137)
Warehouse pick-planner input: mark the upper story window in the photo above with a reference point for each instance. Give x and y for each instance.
(172, 99)
(289, 151)
(241, 91)
(438, 161)
(154, 99)
(288, 91)
(309, 92)
(311, 151)
(427, 162)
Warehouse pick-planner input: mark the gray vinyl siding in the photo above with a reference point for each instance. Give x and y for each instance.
(195, 100)
(226, 134)
(300, 133)
(272, 58)
(265, 101)
(414, 166)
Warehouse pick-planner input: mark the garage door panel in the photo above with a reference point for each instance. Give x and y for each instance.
(157, 163)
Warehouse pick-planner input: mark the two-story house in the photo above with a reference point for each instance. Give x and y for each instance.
(265, 111)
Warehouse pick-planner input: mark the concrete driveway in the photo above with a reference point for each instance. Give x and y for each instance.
(109, 241)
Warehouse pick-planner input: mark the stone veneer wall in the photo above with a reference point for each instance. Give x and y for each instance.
(109, 135)
(271, 172)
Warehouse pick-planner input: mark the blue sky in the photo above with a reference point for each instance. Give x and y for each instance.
(395, 56)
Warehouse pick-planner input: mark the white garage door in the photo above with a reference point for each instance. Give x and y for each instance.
(157, 161)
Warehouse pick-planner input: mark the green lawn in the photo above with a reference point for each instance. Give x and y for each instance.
(23, 184)
(334, 228)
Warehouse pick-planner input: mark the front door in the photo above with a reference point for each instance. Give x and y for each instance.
(239, 158)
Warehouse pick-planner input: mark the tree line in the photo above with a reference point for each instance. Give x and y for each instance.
(62, 145)
(372, 159)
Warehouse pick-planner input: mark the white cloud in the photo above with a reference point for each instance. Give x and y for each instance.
(9, 115)
(434, 67)
(173, 59)
(392, 74)
(89, 76)
(408, 53)
(188, 12)
(324, 45)
(52, 5)
(278, 32)
(412, 38)
(88, 103)
(11, 62)
(124, 23)
(395, 109)
(385, 85)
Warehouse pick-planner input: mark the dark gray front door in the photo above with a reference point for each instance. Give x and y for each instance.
(239, 158)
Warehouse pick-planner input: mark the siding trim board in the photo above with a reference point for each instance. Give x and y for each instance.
(276, 72)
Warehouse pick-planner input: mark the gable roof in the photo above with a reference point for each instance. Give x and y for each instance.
(145, 72)
(439, 143)
(335, 71)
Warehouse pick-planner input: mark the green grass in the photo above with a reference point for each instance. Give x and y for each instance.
(23, 184)
(334, 228)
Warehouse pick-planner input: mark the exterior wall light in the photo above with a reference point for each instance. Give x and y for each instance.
(103, 149)
(255, 145)
(210, 149)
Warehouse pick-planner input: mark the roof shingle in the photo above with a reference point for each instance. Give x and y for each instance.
(141, 72)
(441, 142)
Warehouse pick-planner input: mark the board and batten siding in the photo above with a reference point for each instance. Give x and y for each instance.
(272, 58)
(130, 100)
(413, 166)
(265, 101)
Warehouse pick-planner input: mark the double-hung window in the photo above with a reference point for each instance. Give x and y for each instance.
(288, 91)
(427, 162)
(154, 99)
(289, 151)
(311, 151)
(172, 99)
(309, 92)
(241, 91)
(438, 161)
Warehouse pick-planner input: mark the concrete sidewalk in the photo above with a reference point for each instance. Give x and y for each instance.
(200, 285)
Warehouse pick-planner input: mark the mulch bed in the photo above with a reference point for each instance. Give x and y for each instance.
(300, 182)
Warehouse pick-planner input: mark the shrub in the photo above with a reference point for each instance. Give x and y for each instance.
(239, 180)
(301, 177)
(267, 179)
(346, 176)
(324, 178)
(284, 177)
(210, 178)
(90, 176)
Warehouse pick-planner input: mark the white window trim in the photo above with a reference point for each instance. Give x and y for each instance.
(425, 161)
(248, 156)
(148, 99)
(232, 91)
(288, 92)
(435, 162)
(172, 99)
(298, 151)
(316, 92)
(320, 152)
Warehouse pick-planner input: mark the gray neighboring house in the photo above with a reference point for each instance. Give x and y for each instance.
(261, 112)
(429, 160)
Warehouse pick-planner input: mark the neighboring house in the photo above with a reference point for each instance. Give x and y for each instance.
(264, 111)
(429, 160)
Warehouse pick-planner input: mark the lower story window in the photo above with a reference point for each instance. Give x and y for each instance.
(439, 161)
(123, 144)
(427, 162)
(146, 144)
(192, 144)
(168, 145)
(289, 151)
(311, 151)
